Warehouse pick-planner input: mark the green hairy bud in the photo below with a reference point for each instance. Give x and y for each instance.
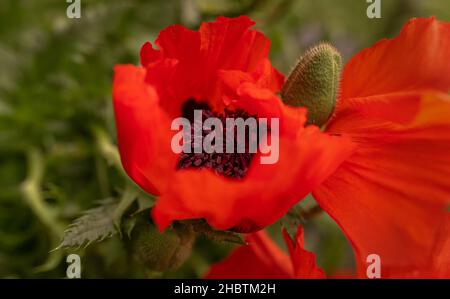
(162, 251)
(314, 83)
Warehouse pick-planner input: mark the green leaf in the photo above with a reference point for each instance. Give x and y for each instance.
(95, 225)
(127, 199)
(145, 202)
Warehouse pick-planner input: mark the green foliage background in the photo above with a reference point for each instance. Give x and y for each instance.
(57, 131)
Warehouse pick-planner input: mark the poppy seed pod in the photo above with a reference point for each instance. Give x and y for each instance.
(314, 83)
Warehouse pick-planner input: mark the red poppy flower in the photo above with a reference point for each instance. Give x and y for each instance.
(261, 258)
(391, 196)
(222, 68)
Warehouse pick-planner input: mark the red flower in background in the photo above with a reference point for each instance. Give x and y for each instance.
(263, 259)
(391, 196)
(223, 65)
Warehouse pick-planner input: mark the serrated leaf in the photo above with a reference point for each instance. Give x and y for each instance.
(145, 202)
(95, 225)
(127, 199)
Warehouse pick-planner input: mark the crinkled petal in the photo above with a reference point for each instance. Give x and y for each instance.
(417, 59)
(392, 194)
(226, 44)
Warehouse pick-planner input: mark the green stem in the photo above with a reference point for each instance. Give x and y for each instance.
(127, 199)
(32, 193)
(107, 149)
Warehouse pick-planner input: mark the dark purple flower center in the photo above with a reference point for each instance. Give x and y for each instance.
(233, 165)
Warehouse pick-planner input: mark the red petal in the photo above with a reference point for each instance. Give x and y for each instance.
(179, 43)
(226, 44)
(266, 78)
(260, 259)
(187, 78)
(416, 59)
(148, 54)
(441, 261)
(439, 264)
(229, 44)
(144, 148)
(304, 262)
(392, 194)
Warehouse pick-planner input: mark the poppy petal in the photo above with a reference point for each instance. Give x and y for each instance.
(148, 54)
(303, 261)
(261, 258)
(229, 44)
(180, 43)
(196, 58)
(437, 267)
(138, 121)
(391, 195)
(416, 59)
(441, 261)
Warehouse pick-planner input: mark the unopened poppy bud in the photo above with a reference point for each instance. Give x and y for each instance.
(314, 83)
(162, 251)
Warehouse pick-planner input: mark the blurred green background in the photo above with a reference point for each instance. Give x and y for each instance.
(57, 131)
